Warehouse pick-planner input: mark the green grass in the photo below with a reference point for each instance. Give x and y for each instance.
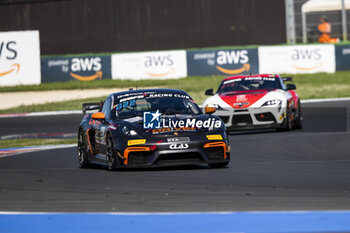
(309, 86)
(10, 143)
(323, 85)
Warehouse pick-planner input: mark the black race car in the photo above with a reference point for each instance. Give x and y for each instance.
(150, 128)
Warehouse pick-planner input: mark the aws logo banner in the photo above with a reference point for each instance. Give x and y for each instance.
(82, 68)
(297, 59)
(149, 65)
(19, 58)
(226, 62)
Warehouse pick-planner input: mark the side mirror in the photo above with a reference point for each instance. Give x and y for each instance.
(287, 79)
(291, 86)
(209, 92)
(209, 110)
(98, 116)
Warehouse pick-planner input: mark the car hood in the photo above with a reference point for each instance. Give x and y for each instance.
(243, 99)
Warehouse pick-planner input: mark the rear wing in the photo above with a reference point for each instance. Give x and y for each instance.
(287, 79)
(91, 106)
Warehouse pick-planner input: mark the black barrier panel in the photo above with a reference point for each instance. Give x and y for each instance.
(342, 57)
(82, 68)
(91, 26)
(225, 62)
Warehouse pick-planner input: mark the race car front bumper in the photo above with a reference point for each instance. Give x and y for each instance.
(153, 154)
(252, 118)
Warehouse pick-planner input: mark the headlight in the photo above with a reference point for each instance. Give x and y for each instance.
(218, 107)
(272, 102)
(128, 132)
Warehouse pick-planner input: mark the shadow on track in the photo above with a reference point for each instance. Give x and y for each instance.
(156, 169)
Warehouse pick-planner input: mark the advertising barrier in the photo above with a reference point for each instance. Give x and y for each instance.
(82, 68)
(149, 65)
(297, 59)
(342, 57)
(224, 62)
(19, 58)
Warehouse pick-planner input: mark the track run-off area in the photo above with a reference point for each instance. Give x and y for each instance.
(300, 170)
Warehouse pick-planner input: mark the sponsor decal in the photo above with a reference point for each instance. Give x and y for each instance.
(125, 104)
(233, 57)
(149, 65)
(136, 142)
(229, 62)
(97, 75)
(297, 59)
(16, 67)
(179, 139)
(156, 63)
(214, 137)
(245, 67)
(86, 64)
(305, 54)
(191, 123)
(94, 122)
(151, 120)
(241, 104)
(179, 146)
(174, 130)
(241, 98)
(155, 120)
(8, 51)
(240, 101)
(77, 68)
(283, 115)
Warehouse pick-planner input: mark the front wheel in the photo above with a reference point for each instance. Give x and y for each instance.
(287, 123)
(298, 121)
(112, 160)
(82, 150)
(218, 165)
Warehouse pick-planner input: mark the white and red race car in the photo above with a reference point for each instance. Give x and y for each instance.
(256, 101)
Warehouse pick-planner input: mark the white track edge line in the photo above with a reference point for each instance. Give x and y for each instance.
(40, 148)
(178, 213)
(325, 100)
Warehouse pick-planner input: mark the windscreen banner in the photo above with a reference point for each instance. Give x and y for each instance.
(19, 58)
(81, 68)
(297, 59)
(342, 57)
(225, 62)
(149, 65)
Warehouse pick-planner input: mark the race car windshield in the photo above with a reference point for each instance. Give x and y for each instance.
(249, 83)
(165, 105)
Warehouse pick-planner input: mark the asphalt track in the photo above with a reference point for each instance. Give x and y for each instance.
(305, 169)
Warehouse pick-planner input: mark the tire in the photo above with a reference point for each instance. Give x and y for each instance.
(112, 159)
(287, 123)
(298, 122)
(218, 165)
(82, 150)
